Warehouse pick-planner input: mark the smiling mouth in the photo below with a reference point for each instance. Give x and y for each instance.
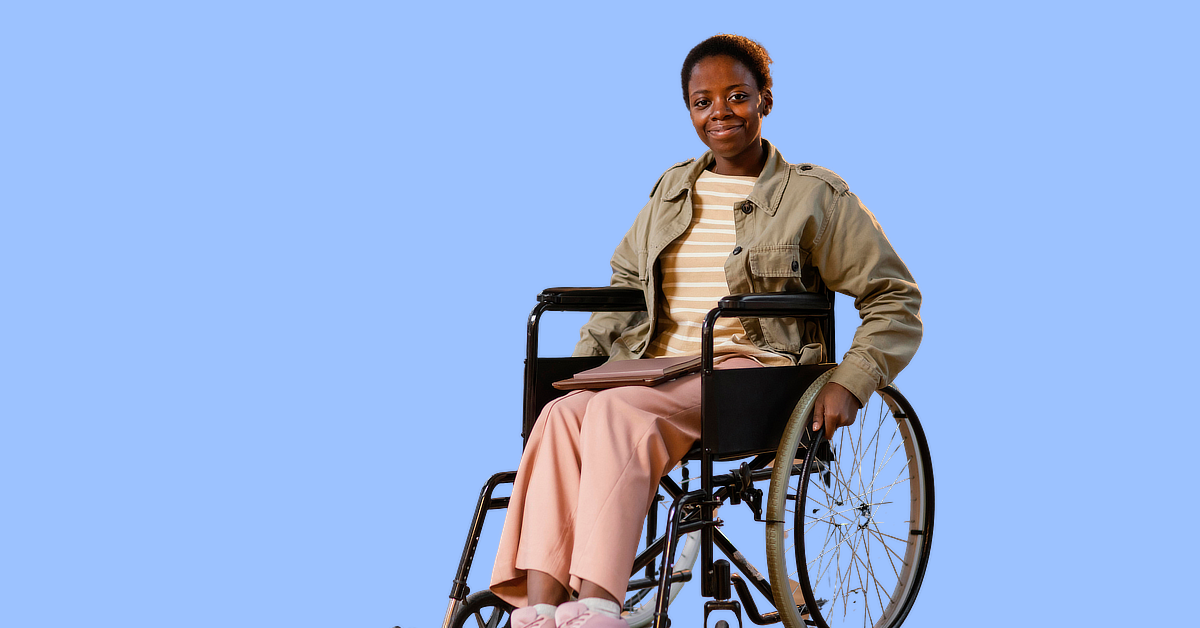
(724, 131)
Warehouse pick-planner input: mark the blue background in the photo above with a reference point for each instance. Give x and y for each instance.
(248, 252)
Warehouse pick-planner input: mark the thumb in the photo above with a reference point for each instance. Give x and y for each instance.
(818, 415)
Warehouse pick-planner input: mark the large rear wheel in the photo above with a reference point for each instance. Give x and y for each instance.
(850, 526)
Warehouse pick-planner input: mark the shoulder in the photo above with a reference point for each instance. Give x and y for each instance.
(673, 177)
(826, 175)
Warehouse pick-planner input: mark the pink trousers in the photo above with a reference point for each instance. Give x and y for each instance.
(586, 480)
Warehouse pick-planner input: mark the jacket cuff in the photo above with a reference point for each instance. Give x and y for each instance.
(859, 382)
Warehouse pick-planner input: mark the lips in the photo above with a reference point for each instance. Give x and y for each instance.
(723, 131)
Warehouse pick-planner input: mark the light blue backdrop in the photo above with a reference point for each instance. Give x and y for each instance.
(249, 250)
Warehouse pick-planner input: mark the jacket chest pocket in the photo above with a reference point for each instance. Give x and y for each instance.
(777, 267)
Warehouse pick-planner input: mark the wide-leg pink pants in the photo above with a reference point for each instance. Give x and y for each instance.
(586, 480)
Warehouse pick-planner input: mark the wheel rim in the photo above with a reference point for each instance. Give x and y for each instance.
(866, 515)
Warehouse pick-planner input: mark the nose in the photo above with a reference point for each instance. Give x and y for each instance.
(721, 109)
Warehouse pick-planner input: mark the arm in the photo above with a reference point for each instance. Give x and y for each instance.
(855, 257)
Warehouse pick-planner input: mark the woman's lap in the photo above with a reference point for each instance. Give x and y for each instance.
(587, 477)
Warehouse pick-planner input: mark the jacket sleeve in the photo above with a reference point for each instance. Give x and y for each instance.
(596, 337)
(854, 257)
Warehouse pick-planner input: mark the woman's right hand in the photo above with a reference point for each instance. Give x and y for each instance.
(835, 406)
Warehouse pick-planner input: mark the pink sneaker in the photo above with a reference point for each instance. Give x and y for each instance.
(576, 615)
(527, 617)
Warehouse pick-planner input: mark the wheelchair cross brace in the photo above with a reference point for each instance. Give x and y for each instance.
(718, 580)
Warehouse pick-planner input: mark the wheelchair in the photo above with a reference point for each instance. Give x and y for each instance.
(849, 520)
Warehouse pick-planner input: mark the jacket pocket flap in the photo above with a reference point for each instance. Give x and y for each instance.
(777, 260)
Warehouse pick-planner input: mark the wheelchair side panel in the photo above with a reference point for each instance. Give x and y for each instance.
(746, 410)
(550, 370)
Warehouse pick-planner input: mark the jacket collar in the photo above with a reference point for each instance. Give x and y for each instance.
(767, 192)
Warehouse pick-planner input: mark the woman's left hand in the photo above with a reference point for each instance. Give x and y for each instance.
(835, 407)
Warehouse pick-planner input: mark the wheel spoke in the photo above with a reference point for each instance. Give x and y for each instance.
(892, 439)
(879, 469)
(858, 453)
(881, 533)
(887, 552)
(878, 585)
(867, 565)
(890, 550)
(897, 481)
(853, 563)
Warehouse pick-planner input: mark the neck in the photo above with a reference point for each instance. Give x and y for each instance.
(748, 163)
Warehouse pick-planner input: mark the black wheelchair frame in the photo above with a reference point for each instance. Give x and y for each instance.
(726, 435)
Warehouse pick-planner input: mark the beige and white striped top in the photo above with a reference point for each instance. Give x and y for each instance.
(693, 276)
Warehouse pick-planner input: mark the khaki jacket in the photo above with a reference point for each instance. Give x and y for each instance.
(800, 229)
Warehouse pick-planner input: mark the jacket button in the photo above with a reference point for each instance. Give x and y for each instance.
(795, 266)
(806, 167)
(737, 249)
(747, 208)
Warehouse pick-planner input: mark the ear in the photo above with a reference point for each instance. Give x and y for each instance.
(768, 101)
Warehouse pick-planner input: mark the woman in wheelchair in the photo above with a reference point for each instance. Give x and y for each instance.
(737, 220)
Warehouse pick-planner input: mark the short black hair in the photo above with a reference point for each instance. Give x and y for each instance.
(749, 52)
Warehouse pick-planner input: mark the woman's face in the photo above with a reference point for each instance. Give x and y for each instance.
(727, 109)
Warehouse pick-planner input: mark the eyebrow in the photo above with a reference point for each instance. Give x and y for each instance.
(702, 91)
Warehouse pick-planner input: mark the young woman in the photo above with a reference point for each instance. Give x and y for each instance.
(738, 220)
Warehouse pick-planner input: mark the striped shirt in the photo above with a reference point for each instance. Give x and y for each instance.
(693, 276)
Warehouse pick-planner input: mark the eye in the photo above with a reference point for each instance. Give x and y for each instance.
(701, 103)
(738, 97)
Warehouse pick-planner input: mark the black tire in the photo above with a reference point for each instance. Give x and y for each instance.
(870, 488)
(482, 609)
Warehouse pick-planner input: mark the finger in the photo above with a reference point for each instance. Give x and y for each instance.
(818, 414)
(833, 420)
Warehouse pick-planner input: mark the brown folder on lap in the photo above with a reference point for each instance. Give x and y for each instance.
(645, 372)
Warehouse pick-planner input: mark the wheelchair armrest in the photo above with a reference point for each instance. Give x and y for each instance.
(768, 305)
(602, 299)
(775, 304)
